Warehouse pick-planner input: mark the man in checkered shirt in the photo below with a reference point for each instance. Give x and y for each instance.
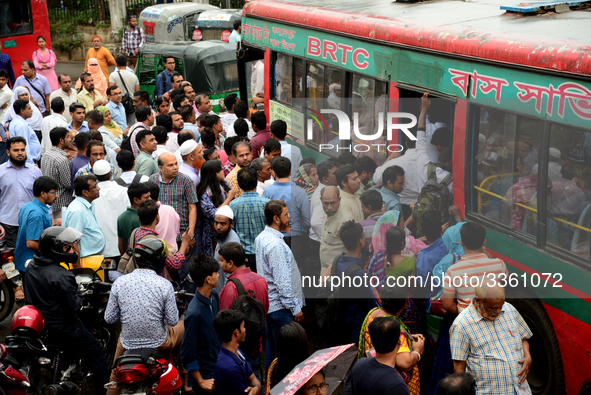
(133, 39)
(489, 338)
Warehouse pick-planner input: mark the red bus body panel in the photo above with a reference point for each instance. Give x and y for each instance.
(21, 47)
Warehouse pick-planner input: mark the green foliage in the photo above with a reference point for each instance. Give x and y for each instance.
(65, 37)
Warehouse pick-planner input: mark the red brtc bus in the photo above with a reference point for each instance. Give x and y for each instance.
(20, 24)
(507, 75)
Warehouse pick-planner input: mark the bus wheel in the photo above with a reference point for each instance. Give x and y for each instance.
(546, 376)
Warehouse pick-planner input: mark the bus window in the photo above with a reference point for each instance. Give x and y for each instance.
(334, 79)
(368, 100)
(283, 78)
(17, 18)
(569, 170)
(315, 90)
(507, 177)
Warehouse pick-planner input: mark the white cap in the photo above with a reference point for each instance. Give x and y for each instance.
(226, 211)
(188, 147)
(555, 153)
(101, 167)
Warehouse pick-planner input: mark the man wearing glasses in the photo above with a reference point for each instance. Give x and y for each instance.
(164, 79)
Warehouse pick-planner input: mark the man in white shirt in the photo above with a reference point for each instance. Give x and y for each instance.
(292, 152)
(56, 119)
(257, 79)
(5, 94)
(263, 169)
(161, 136)
(125, 80)
(112, 202)
(67, 94)
(230, 117)
(126, 163)
(327, 177)
(445, 158)
(407, 162)
(240, 111)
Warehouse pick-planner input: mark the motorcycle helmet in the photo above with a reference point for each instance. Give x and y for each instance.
(53, 240)
(151, 252)
(27, 320)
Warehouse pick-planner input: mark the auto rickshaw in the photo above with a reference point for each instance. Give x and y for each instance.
(210, 66)
(214, 25)
(164, 23)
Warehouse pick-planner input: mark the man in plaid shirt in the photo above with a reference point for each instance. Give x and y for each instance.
(133, 39)
(177, 190)
(55, 164)
(489, 338)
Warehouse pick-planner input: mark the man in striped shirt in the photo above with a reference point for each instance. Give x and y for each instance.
(476, 265)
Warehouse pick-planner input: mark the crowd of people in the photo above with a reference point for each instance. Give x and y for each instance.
(226, 206)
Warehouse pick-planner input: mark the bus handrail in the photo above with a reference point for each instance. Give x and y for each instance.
(480, 190)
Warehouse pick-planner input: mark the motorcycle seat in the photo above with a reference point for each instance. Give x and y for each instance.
(140, 355)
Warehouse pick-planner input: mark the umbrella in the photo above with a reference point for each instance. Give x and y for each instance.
(336, 360)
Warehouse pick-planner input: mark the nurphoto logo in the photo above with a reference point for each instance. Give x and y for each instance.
(395, 121)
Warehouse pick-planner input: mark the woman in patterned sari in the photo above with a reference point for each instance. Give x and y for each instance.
(394, 301)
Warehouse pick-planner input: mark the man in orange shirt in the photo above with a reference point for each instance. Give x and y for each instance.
(102, 54)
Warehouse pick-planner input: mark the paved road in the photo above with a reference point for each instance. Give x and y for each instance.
(74, 69)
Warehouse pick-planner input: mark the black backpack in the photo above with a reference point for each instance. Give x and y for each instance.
(433, 196)
(330, 315)
(254, 317)
(126, 143)
(136, 178)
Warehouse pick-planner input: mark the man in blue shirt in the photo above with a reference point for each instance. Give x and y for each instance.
(164, 79)
(201, 345)
(80, 216)
(295, 197)
(232, 372)
(5, 62)
(78, 113)
(20, 128)
(393, 184)
(430, 256)
(114, 105)
(235, 37)
(37, 84)
(17, 177)
(359, 300)
(33, 219)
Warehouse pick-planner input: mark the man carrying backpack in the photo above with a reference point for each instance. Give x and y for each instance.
(233, 262)
(356, 301)
(433, 178)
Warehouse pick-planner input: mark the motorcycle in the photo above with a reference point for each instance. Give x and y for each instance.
(13, 279)
(146, 372)
(13, 381)
(51, 369)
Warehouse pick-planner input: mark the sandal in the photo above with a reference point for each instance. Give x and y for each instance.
(19, 294)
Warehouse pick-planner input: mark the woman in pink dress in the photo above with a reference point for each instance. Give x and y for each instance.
(45, 61)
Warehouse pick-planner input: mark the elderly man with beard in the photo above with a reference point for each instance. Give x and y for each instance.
(223, 223)
(243, 154)
(17, 177)
(88, 96)
(489, 338)
(192, 155)
(331, 244)
(100, 53)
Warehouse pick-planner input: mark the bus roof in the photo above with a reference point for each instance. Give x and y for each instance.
(476, 28)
